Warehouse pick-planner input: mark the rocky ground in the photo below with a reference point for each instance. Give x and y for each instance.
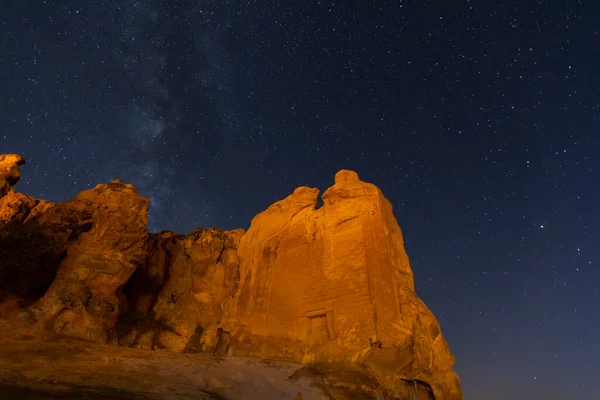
(38, 364)
(42, 365)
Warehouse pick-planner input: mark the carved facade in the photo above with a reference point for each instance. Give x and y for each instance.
(334, 284)
(318, 285)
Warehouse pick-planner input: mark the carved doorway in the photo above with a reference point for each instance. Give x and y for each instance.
(318, 331)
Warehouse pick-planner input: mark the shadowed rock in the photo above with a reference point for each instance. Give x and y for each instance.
(84, 299)
(180, 291)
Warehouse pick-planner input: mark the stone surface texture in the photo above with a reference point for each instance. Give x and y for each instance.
(42, 365)
(334, 284)
(15, 206)
(180, 291)
(328, 287)
(10, 172)
(84, 300)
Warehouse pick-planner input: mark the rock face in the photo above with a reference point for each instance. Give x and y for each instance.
(9, 171)
(181, 290)
(25, 261)
(323, 286)
(334, 284)
(15, 207)
(84, 298)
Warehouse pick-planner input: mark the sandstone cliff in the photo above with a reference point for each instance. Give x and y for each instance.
(84, 298)
(180, 290)
(321, 286)
(334, 284)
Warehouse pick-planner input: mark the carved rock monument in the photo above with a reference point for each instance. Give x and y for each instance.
(323, 286)
(334, 284)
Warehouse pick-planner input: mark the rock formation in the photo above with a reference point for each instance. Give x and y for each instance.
(84, 298)
(334, 284)
(14, 206)
(26, 267)
(10, 172)
(180, 290)
(328, 285)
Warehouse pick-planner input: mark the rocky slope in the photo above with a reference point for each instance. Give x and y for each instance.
(327, 287)
(42, 365)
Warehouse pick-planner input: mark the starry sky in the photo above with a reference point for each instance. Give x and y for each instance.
(479, 120)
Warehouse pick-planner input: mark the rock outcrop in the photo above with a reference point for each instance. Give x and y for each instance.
(334, 284)
(10, 172)
(323, 286)
(25, 268)
(180, 291)
(15, 207)
(84, 299)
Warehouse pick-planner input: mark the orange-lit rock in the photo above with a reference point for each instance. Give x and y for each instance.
(26, 269)
(334, 284)
(84, 298)
(9, 171)
(180, 291)
(15, 207)
(323, 286)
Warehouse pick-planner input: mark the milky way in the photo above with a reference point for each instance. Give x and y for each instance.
(479, 121)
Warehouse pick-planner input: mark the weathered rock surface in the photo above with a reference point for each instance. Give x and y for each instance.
(26, 267)
(330, 287)
(38, 365)
(9, 171)
(84, 299)
(334, 284)
(181, 290)
(15, 207)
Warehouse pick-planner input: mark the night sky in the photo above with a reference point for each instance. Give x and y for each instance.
(479, 120)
